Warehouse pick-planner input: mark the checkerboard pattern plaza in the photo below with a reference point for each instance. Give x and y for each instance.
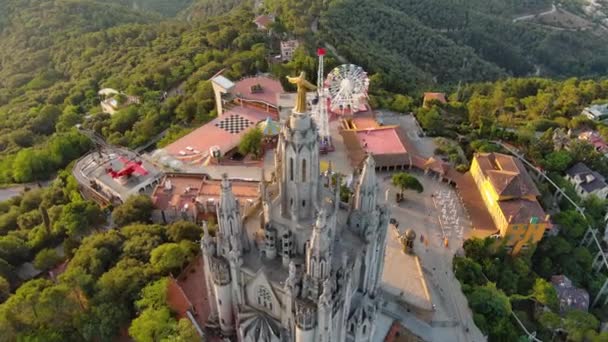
(234, 124)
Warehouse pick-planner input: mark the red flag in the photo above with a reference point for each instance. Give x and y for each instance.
(320, 52)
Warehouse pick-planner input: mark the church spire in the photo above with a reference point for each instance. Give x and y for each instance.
(367, 187)
(318, 255)
(229, 219)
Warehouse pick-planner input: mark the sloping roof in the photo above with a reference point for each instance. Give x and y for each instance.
(263, 20)
(223, 82)
(258, 88)
(583, 171)
(434, 97)
(521, 211)
(507, 175)
(595, 139)
(177, 299)
(187, 188)
(385, 143)
(570, 297)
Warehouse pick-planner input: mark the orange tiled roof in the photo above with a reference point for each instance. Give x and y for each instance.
(187, 188)
(434, 97)
(177, 300)
(263, 20)
(521, 211)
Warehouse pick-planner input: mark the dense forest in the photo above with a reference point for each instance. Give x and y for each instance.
(53, 62)
(203, 9)
(436, 43)
(55, 55)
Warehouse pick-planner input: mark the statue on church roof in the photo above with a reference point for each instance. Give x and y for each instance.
(303, 87)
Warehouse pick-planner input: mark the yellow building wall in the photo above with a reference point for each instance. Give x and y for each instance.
(519, 235)
(516, 235)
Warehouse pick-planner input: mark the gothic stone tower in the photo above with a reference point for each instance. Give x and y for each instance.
(302, 270)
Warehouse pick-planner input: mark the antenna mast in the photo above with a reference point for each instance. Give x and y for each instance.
(321, 112)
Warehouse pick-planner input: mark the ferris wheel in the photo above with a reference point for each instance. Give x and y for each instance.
(347, 85)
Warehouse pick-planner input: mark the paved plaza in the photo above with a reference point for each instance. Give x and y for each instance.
(437, 214)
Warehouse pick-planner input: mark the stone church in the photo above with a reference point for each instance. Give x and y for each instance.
(303, 268)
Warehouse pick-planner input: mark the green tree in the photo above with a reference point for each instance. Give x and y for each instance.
(44, 123)
(493, 305)
(550, 321)
(123, 282)
(154, 295)
(184, 230)
(185, 332)
(5, 289)
(13, 249)
(572, 223)
(104, 321)
(402, 103)
(46, 259)
(135, 209)
(557, 161)
(479, 107)
(251, 143)
(78, 218)
(578, 323)
(68, 119)
(545, 294)
(430, 120)
(468, 271)
(169, 257)
(153, 325)
(405, 181)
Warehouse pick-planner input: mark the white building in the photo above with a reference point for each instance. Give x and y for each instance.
(596, 112)
(301, 269)
(288, 48)
(587, 182)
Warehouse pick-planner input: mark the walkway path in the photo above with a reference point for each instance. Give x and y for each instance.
(532, 16)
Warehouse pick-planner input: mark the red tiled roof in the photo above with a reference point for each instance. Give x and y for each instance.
(192, 282)
(398, 333)
(383, 140)
(521, 211)
(263, 21)
(434, 97)
(188, 188)
(268, 92)
(177, 300)
(595, 139)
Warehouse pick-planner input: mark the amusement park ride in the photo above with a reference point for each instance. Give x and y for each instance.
(343, 92)
(130, 167)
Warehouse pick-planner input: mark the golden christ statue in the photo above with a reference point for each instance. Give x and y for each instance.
(303, 87)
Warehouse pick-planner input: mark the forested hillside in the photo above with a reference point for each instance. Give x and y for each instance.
(167, 8)
(202, 9)
(445, 42)
(53, 62)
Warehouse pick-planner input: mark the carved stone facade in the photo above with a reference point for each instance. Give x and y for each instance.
(302, 270)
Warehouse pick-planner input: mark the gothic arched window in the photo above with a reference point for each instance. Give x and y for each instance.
(303, 170)
(264, 298)
(291, 169)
